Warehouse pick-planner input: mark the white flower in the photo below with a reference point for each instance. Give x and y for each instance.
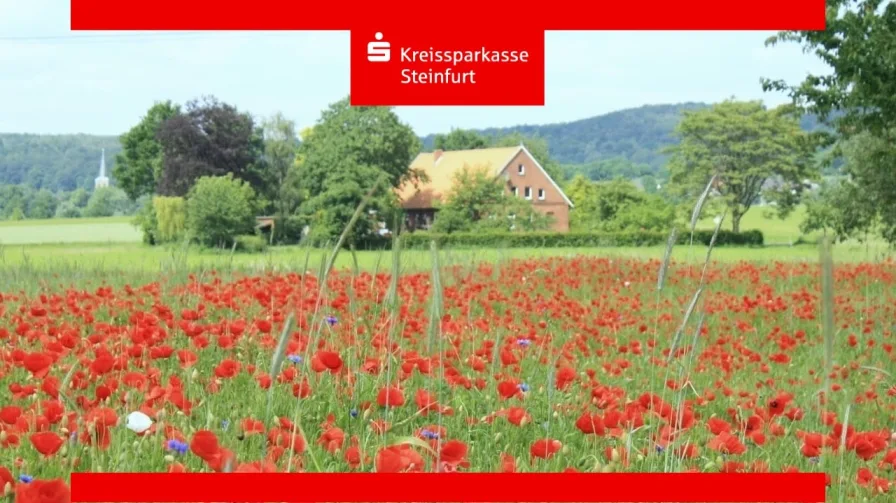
(138, 422)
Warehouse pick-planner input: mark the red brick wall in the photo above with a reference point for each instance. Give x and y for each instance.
(536, 180)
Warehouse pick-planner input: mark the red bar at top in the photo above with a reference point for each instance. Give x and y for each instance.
(442, 487)
(553, 15)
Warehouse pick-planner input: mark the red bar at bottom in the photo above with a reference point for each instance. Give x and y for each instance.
(448, 487)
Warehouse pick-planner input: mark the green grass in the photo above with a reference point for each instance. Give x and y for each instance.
(776, 230)
(134, 257)
(114, 244)
(69, 230)
(66, 221)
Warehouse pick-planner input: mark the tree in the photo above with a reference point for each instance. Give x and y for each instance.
(67, 210)
(536, 146)
(616, 205)
(107, 202)
(839, 210)
(43, 205)
(460, 139)
(210, 138)
(13, 201)
(482, 202)
(744, 145)
(79, 198)
(139, 165)
(349, 150)
(857, 98)
(280, 146)
(170, 218)
(219, 208)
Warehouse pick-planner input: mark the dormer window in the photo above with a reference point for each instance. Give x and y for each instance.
(521, 170)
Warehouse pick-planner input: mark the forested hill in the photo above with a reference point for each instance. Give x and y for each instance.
(623, 143)
(54, 162)
(635, 134)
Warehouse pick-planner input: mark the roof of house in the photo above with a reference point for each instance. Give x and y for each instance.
(441, 171)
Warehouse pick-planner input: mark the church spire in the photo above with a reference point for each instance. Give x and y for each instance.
(102, 180)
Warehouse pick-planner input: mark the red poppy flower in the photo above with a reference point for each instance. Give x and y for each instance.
(46, 442)
(43, 491)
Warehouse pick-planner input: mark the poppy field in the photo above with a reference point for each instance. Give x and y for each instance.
(582, 364)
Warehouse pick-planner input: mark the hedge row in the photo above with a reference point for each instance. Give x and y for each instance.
(418, 240)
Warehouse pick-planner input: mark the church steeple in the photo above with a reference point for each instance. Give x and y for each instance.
(102, 180)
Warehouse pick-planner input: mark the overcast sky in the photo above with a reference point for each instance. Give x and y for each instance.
(56, 81)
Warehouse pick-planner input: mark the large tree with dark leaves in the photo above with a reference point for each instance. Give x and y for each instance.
(858, 97)
(209, 138)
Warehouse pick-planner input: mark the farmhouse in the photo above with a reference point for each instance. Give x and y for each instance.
(524, 177)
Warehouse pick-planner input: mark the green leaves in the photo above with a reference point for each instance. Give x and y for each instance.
(138, 167)
(345, 153)
(859, 96)
(751, 150)
(484, 204)
(220, 208)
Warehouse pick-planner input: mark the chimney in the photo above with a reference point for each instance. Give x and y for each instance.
(437, 155)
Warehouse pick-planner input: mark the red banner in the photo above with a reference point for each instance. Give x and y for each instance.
(442, 487)
(404, 52)
(488, 67)
(418, 18)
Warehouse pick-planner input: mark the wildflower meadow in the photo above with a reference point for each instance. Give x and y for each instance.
(548, 364)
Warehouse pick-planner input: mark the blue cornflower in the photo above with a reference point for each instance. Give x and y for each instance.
(523, 387)
(331, 320)
(523, 342)
(178, 446)
(813, 460)
(354, 412)
(296, 359)
(25, 479)
(429, 435)
(660, 449)
(225, 424)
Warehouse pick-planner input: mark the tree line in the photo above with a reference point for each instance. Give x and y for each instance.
(20, 202)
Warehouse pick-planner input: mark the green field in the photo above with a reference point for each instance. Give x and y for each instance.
(777, 231)
(90, 246)
(74, 230)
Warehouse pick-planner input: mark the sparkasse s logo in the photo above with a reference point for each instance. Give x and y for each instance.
(378, 51)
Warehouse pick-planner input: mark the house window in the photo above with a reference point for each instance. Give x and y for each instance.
(521, 170)
(528, 193)
(515, 190)
(541, 194)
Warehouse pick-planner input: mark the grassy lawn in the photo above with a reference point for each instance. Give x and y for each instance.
(776, 230)
(111, 245)
(69, 230)
(134, 257)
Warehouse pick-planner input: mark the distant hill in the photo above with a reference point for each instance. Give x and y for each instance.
(54, 162)
(635, 134)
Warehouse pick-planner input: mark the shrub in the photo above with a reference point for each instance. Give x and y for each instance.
(421, 240)
(171, 218)
(288, 231)
(220, 208)
(250, 243)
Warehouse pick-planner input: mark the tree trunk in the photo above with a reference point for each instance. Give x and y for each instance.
(735, 221)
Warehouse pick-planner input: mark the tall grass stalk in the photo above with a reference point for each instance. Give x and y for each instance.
(827, 305)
